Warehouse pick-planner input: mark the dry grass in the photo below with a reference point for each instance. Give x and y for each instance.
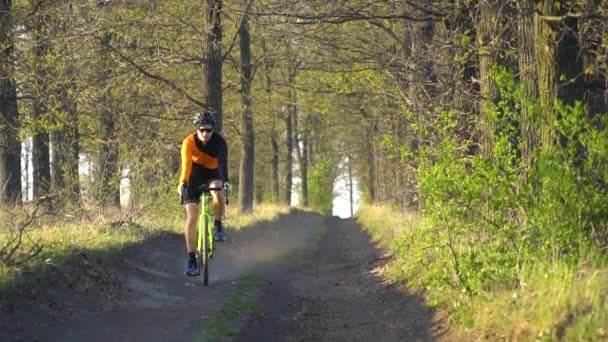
(261, 212)
(556, 301)
(385, 224)
(102, 232)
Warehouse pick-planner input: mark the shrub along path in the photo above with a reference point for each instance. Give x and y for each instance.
(320, 284)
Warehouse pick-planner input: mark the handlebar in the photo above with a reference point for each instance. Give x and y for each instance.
(205, 188)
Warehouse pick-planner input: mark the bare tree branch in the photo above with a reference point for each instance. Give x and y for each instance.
(159, 78)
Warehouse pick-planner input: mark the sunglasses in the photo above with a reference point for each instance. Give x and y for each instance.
(205, 130)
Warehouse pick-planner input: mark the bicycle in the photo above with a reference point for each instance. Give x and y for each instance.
(205, 233)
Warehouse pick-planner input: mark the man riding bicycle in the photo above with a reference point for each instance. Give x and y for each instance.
(204, 161)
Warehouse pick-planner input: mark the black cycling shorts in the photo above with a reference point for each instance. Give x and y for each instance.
(198, 177)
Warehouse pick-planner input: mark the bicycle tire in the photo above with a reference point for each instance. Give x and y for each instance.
(210, 234)
(205, 252)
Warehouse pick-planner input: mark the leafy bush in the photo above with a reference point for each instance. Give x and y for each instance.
(493, 216)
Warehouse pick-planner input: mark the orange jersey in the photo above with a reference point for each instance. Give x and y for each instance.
(211, 156)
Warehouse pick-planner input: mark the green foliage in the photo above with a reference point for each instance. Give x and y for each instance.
(557, 299)
(320, 184)
(493, 218)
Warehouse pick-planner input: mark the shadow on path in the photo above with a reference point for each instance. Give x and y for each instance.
(334, 293)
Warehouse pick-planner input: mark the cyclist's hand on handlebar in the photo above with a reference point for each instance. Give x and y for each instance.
(181, 189)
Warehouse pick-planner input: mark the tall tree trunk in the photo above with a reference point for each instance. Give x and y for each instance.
(370, 152)
(66, 150)
(301, 152)
(246, 175)
(400, 193)
(41, 170)
(10, 146)
(528, 75)
(212, 55)
(275, 164)
(40, 141)
(371, 170)
(106, 161)
(546, 59)
(304, 167)
(293, 112)
(486, 41)
(65, 147)
(291, 133)
(274, 143)
(289, 139)
(559, 63)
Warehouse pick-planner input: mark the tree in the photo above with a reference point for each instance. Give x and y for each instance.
(213, 60)
(40, 114)
(64, 137)
(246, 174)
(289, 139)
(106, 174)
(558, 61)
(10, 146)
(290, 115)
(274, 135)
(487, 44)
(527, 71)
(302, 147)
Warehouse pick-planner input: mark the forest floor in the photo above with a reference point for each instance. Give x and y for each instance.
(301, 277)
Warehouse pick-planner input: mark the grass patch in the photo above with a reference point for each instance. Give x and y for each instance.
(555, 301)
(386, 225)
(261, 212)
(223, 323)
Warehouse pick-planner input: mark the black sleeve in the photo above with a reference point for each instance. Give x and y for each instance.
(223, 159)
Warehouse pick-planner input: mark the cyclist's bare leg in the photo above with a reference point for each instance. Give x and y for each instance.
(219, 200)
(191, 218)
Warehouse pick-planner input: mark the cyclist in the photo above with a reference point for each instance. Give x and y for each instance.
(204, 161)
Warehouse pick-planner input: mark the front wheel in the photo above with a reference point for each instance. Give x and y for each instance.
(206, 251)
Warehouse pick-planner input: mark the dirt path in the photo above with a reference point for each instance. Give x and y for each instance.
(334, 293)
(313, 291)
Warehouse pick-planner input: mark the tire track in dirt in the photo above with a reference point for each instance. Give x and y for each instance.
(334, 293)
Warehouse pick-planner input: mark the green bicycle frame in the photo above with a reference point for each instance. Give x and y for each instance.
(205, 236)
